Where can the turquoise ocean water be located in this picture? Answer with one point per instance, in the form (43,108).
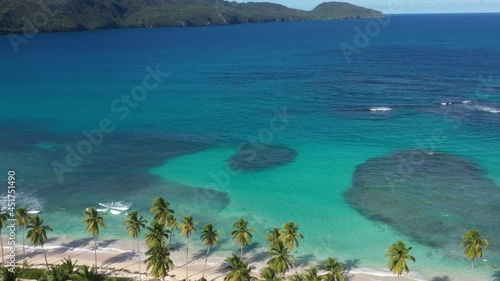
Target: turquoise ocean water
(423,82)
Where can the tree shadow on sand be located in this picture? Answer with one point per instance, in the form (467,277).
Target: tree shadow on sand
(257,257)
(199,254)
(443,278)
(123,257)
(348,266)
(105,243)
(252,247)
(79,243)
(351,264)
(496,276)
(304,260)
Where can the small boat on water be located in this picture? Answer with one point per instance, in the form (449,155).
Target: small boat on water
(120,205)
(33,212)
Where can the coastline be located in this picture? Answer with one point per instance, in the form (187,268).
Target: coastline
(114,261)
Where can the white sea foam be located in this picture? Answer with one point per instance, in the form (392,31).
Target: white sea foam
(115,212)
(381,108)
(466,101)
(373,272)
(33,204)
(488,109)
(116,250)
(119,205)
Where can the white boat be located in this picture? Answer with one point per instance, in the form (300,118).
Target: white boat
(120,205)
(115,212)
(33,212)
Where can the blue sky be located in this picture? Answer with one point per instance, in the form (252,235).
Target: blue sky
(406,6)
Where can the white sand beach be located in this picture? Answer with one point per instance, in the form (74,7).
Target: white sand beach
(113,261)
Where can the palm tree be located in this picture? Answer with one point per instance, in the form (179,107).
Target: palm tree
(268,274)
(274,235)
(85,273)
(238,269)
(242,234)
(8,275)
(187,229)
(312,274)
(56,273)
(159,261)
(398,254)
(22,218)
(157,234)
(93,221)
(3,222)
(281,259)
(334,270)
(161,210)
(296,277)
(172,223)
(290,235)
(134,225)
(474,245)
(38,234)
(210,237)
(69,265)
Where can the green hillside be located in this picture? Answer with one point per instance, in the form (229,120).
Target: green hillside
(34,16)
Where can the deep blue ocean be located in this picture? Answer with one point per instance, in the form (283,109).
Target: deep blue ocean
(369,132)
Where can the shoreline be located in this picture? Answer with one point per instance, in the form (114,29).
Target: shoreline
(114,261)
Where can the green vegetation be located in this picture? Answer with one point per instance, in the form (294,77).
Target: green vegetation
(188,227)
(312,274)
(32,273)
(334,270)
(134,225)
(238,269)
(281,259)
(34,16)
(210,238)
(398,254)
(158,261)
(3,221)
(282,242)
(22,219)
(242,234)
(38,234)
(93,221)
(474,245)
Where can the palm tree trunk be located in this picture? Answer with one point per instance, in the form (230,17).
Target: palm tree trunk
(24,256)
(95,253)
(205,266)
(1,243)
(472,269)
(187,260)
(139,255)
(45,256)
(241,254)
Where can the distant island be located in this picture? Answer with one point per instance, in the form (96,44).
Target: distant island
(37,16)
